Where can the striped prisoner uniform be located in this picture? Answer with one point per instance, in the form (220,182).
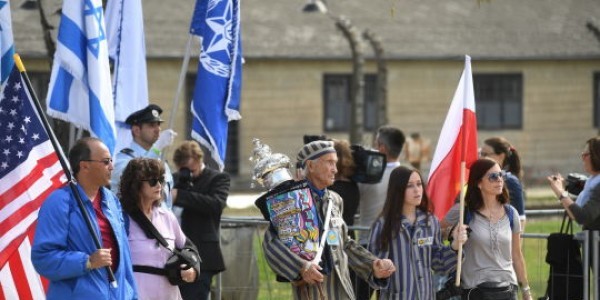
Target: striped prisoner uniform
(416,251)
(349,253)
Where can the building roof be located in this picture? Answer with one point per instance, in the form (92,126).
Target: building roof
(409,29)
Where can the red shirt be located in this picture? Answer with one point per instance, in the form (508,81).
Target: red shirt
(108,236)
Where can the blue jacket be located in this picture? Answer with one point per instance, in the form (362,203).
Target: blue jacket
(62,245)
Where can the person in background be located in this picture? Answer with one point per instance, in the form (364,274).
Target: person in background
(416,150)
(202,193)
(586,209)
(63,249)
(409,234)
(388,141)
(148,141)
(329,278)
(343,184)
(500,150)
(141,192)
(493,261)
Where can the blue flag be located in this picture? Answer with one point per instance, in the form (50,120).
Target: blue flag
(80,86)
(6,41)
(127,49)
(218,83)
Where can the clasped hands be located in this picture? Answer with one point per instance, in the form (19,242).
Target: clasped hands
(382,268)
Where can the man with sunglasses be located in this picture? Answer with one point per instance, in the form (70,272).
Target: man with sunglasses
(63,250)
(148,141)
(202,193)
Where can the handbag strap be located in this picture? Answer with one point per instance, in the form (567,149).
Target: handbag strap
(569,227)
(148,228)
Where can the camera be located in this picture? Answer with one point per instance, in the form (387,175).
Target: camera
(449,291)
(370,164)
(184,179)
(575,183)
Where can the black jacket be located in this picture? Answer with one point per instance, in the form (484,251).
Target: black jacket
(203,206)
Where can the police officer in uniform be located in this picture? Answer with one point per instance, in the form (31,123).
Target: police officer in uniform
(148,141)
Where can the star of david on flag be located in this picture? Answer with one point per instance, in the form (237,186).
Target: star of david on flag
(29,171)
(216,99)
(80,89)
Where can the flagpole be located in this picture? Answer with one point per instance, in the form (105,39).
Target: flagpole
(463,171)
(184,67)
(63,163)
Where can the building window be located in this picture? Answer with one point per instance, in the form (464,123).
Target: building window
(499,101)
(232,154)
(597,99)
(336,94)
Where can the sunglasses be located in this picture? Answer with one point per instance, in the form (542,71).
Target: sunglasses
(154,181)
(106,161)
(496,176)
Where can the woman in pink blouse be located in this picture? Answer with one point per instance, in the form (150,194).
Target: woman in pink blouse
(141,189)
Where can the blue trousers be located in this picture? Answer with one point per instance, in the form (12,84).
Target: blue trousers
(199,290)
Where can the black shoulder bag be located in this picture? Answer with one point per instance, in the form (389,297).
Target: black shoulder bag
(565,281)
(187,256)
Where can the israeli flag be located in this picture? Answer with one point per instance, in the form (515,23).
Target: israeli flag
(6,41)
(127,49)
(80,87)
(219,79)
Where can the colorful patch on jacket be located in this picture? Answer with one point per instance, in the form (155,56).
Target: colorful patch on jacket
(294,216)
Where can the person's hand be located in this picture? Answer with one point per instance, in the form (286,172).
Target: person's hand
(311,273)
(100,258)
(383,268)
(460,236)
(166,138)
(188,275)
(556,184)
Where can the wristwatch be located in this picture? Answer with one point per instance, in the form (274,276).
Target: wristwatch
(564,194)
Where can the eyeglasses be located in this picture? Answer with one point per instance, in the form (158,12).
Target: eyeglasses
(106,161)
(153,181)
(584,154)
(496,176)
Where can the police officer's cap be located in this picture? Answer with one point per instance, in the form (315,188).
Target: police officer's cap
(146,115)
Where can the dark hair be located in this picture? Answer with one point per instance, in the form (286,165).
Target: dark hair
(473,197)
(392,138)
(345,164)
(512,160)
(137,170)
(392,208)
(81,151)
(187,150)
(594,148)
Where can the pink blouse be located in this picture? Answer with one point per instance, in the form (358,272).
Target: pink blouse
(148,252)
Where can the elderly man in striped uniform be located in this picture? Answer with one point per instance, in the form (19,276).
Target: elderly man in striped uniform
(326,276)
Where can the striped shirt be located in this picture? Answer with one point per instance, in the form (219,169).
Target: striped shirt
(348,254)
(416,250)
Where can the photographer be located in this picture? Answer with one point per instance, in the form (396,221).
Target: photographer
(586,209)
(202,193)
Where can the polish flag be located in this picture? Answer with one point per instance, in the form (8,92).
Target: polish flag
(456,147)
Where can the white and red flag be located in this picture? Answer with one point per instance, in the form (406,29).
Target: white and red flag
(456,146)
(29,171)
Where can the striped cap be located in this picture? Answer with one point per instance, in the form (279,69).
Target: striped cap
(314,150)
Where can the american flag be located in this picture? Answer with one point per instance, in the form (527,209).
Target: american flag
(29,171)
